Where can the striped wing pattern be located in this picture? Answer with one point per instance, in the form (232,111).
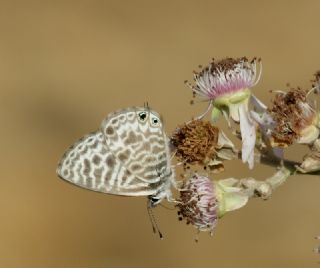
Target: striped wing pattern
(125,157)
(140,146)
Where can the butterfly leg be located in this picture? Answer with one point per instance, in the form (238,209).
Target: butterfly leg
(153,221)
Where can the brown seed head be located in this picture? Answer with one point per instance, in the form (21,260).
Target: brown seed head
(291,113)
(195,142)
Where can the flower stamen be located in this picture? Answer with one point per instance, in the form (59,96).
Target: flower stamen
(198,203)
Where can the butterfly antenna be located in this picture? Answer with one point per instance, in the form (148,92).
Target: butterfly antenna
(153,221)
(146,105)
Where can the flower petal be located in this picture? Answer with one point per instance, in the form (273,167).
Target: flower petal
(234,111)
(233,201)
(248,135)
(223,141)
(258,105)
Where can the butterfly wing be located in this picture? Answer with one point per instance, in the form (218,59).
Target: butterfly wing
(90,164)
(137,139)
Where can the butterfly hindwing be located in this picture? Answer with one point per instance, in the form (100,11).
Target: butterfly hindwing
(89,163)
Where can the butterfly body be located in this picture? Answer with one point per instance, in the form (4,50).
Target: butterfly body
(128,155)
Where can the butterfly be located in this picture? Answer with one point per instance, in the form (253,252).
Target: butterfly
(129,155)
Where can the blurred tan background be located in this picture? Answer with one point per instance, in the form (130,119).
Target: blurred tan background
(64,65)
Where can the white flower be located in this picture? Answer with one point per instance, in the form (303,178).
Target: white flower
(226,84)
(226,76)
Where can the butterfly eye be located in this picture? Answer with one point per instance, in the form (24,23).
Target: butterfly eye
(142,116)
(155,121)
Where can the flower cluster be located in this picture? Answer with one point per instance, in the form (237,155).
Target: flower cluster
(226,84)
(291,118)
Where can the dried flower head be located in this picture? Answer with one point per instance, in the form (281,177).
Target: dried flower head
(195,142)
(225,76)
(198,203)
(294,118)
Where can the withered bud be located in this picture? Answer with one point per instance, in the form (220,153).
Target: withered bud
(291,113)
(195,142)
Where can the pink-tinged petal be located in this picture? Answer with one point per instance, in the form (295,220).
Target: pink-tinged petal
(248,135)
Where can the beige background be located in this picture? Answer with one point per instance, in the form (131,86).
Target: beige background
(64,65)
